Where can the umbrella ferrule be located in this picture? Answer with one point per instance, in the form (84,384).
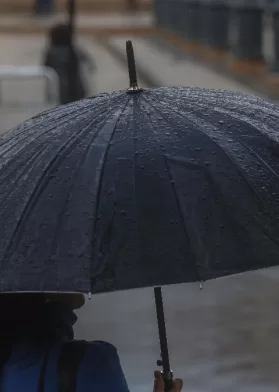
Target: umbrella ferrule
(134,89)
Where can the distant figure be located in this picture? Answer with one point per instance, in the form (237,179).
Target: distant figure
(133,5)
(67,60)
(44,7)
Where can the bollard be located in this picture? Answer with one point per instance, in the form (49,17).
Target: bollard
(176,16)
(273,7)
(192,26)
(164,13)
(218,25)
(180,10)
(156,12)
(205,8)
(247,32)
(168,14)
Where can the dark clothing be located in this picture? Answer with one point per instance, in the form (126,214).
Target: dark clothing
(43,7)
(99,370)
(63,61)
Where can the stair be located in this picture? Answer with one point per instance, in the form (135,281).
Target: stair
(15,6)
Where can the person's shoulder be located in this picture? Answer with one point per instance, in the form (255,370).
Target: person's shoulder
(101,368)
(101,347)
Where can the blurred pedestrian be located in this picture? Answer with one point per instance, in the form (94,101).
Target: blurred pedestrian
(132,5)
(67,60)
(43,7)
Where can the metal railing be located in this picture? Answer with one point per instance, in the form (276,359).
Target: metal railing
(12,72)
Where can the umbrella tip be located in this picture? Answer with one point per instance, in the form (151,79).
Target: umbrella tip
(134,88)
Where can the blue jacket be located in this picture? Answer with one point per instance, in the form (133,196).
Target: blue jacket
(99,371)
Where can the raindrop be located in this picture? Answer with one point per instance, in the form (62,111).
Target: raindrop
(221,122)
(198,149)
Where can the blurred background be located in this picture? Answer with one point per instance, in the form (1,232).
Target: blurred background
(225,337)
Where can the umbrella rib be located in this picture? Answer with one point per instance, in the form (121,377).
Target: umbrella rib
(46,121)
(180,213)
(167,119)
(16,169)
(98,193)
(35,194)
(233,161)
(55,237)
(26,137)
(240,171)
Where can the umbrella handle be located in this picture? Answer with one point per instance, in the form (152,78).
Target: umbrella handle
(164,362)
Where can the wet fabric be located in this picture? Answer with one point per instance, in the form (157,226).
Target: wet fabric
(120,191)
(99,369)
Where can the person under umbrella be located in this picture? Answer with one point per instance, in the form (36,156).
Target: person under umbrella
(35,352)
(140,188)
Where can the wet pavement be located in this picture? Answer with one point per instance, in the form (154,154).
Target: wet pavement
(222,338)
(23,99)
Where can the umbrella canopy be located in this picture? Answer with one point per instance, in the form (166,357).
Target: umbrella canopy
(140,188)
(123,190)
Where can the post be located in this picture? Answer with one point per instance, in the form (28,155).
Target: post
(248,33)
(193,20)
(205,28)
(219,25)
(274,10)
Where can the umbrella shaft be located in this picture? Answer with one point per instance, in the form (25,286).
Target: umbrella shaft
(162,332)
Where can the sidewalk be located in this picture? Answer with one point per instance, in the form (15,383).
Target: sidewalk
(23,99)
(167,70)
(142,22)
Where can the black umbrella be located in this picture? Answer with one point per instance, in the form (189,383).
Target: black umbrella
(140,188)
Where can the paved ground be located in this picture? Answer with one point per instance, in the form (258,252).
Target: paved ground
(22,99)
(167,70)
(143,19)
(224,338)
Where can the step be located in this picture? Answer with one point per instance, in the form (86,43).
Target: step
(90,24)
(11,6)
